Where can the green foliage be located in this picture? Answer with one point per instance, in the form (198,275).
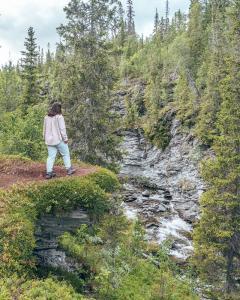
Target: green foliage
(23,134)
(65,194)
(196,36)
(106,179)
(159,132)
(29,71)
(217,234)
(188,70)
(37,289)
(21,206)
(145,282)
(88,78)
(186,102)
(10,88)
(16,233)
(77,279)
(112,254)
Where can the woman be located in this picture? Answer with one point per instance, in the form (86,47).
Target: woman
(55,136)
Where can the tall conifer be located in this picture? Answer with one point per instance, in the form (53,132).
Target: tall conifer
(29,67)
(130,18)
(217,236)
(88,78)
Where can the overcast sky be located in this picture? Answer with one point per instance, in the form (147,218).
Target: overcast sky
(46,15)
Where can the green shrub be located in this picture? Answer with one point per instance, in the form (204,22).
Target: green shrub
(16,233)
(14,288)
(66,194)
(106,179)
(23,134)
(112,254)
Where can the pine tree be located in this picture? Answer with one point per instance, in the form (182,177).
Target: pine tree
(130,18)
(49,57)
(88,79)
(10,88)
(214,64)
(162,28)
(217,236)
(29,69)
(156,23)
(180,21)
(122,25)
(196,36)
(167,16)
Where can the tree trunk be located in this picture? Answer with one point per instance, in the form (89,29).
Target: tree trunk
(230,268)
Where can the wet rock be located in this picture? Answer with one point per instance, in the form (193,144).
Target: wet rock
(146,193)
(174,173)
(151,225)
(131,198)
(161,208)
(48,228)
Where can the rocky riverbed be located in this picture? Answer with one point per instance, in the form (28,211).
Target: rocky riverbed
(163,187)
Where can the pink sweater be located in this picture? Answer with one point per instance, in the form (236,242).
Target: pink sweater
(54,130)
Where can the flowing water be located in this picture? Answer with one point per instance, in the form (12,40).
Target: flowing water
(163,187)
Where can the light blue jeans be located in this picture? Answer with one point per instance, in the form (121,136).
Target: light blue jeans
(52,153)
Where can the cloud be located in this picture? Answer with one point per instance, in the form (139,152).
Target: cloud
(17,16)
(45,15)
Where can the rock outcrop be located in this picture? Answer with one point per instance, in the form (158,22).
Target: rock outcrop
(163,187)
(48,229)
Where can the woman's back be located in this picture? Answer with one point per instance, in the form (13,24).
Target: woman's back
(54,130)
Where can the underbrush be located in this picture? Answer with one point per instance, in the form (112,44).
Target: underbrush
(113,259)
(23,204)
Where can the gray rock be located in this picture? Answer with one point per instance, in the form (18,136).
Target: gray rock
(48,228)
(161,208)
(173,172)
(146,193)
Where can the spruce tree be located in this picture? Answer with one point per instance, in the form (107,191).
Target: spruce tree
(10,88)
(29,70)
(156,23)
(130,18)
(167,16)
(217,236)
(89,78)
(196,37)
(215,68)
(162,28)
(122,26)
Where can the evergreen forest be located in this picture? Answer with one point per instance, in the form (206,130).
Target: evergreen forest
(187,70)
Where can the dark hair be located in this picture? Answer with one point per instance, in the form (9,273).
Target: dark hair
(55,110)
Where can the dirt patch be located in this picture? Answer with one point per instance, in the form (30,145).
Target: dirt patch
(22,171)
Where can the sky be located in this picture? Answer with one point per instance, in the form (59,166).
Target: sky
(16,16)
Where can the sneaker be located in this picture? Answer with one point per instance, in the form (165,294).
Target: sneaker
(50,175)
(70,171)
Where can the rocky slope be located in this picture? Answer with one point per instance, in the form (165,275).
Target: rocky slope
(163,187)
